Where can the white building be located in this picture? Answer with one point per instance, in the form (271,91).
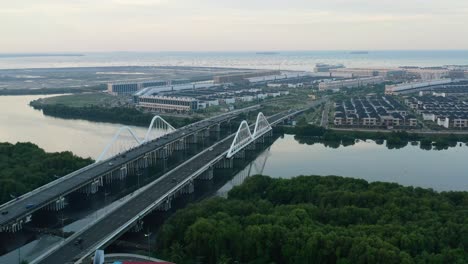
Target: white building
(443,121)
(428,117)
(214,102)
(274,85)
(396,88)
(167,103)
(350,83)
(247,98)
(230,100)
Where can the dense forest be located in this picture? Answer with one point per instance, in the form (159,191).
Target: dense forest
(5,91)
(314,219)
(119,115)
(310,134)
(25,166)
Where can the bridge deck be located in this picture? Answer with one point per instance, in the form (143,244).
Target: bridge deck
(17,209)
(119,217)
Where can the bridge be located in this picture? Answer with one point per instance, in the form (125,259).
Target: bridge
(159,194)
(110,167)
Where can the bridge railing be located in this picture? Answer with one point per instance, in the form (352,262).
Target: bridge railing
(48,185)
(128,198)
(133,195)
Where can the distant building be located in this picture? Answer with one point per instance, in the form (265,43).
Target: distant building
(239,77)
(350,83)
(131,87)
(321,67)
(457,74)
(397,88)
(387,73)
(168,104)
(434,73)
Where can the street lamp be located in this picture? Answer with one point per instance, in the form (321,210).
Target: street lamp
(149,246)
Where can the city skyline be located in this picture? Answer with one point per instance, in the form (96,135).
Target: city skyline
(160,25)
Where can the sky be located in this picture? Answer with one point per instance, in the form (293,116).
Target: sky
(237,25)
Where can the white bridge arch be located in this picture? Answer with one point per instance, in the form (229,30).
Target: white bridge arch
(121,142)
(244,137)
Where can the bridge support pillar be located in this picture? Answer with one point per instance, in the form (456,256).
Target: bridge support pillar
(57,205)
(166,205)
(240,154)
(207,175)
(225,164)
(188,188)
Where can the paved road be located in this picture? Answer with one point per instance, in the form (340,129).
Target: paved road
(325,113)
(140,202)
(18,210)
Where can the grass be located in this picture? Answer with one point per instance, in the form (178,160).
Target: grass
(85,99)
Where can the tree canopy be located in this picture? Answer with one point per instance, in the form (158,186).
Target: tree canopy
(314,219)
(25,166)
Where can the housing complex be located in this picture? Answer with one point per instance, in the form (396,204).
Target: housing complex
(446,111)
(373,111)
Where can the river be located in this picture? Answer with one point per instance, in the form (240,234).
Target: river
(21,123)
(412,166)
(441,170)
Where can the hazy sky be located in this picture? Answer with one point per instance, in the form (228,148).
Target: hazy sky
(221,25)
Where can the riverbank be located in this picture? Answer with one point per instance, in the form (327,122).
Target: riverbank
(394,139)
(116,115)
(46,91)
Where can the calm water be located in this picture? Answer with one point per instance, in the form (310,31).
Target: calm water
(411,166)
(21,123)
(297,60)
(441,170)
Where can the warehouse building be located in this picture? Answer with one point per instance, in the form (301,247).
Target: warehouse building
(350,83)
(167,103)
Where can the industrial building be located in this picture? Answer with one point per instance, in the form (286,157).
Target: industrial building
(321,67)
(416,86)
(350,83)
(240,77)
(167,103)
(387,73)
(429,73)
(131,87)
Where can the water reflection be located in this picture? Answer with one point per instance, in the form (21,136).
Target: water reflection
(406,164)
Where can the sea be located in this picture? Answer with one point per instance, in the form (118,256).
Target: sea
(283,60)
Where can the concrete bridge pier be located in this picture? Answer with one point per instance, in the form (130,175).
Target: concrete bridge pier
(207,175)
(57,205)
(225,163)
(166,205)
(240,154)
(188,188)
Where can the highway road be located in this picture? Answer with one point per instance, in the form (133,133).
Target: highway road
(119,217)
(43,196)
